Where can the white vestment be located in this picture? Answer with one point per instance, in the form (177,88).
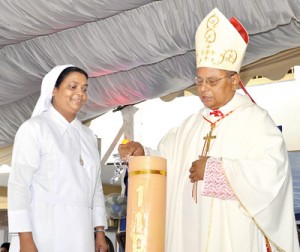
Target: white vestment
(50,193)
(255,162)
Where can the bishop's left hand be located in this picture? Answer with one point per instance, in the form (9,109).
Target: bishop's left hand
(197,169)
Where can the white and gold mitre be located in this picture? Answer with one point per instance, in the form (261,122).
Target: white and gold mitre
(220,43)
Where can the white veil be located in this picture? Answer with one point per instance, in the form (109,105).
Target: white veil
(47,87)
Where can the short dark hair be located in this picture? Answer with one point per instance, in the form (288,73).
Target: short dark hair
(66,72)
(5,245)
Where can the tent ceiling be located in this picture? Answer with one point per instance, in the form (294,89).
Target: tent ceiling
(133,50)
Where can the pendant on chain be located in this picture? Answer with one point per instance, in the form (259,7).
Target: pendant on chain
(81,161)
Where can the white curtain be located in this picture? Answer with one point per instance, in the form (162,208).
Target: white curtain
(133,50)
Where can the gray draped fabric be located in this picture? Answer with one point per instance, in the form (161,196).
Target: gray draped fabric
(133,50)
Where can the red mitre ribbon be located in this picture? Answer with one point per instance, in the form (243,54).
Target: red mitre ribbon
(244,34)
(240,28)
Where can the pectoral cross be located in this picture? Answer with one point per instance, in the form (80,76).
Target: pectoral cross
(207,139)
(205,150)
(206,146)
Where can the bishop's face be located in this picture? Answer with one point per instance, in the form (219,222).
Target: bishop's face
(71,95)
(215,87)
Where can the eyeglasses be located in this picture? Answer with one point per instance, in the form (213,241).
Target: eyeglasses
(210,81)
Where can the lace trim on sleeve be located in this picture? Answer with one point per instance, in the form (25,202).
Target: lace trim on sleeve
(215,183)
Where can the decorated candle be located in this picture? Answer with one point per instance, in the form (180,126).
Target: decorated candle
(146,204)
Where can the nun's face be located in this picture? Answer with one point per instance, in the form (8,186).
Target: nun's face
(70,96)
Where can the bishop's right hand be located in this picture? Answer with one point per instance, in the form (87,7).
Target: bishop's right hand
(198,168)
(131,149)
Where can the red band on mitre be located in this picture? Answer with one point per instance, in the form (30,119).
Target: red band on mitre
(241,30)
(244,34)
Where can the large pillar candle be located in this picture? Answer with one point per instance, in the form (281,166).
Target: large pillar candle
(146,204)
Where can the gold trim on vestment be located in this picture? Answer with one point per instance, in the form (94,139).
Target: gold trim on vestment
(139,172)
(210,224)
(250,215)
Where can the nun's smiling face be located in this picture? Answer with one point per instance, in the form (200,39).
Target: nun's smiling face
(70,96)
